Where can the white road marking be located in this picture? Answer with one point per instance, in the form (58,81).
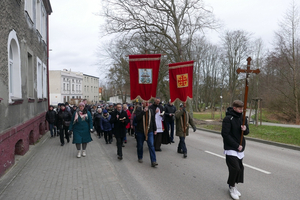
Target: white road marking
(255,168)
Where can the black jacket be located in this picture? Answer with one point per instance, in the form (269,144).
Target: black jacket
(231,130)
(51,117)
(63,116)
(139,118)
(97,118)
(119,126)
(169,110)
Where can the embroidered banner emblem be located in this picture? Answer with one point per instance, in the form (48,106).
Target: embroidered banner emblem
(182,80)
(145,76)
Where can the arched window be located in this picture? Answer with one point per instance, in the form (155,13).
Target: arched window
(14,67)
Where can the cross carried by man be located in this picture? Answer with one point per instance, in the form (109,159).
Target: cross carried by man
(247,71)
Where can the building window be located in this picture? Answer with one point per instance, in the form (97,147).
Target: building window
(29,7)
(14,66)
(45,95)
(39,76)
(64,86)
(30,76)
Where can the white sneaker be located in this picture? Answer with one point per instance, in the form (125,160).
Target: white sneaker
(233,194)
(237,192)
(79,154)
(83,153)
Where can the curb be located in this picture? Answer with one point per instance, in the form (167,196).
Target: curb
(278,144)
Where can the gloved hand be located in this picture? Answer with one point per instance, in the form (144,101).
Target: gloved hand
(70,132)
(194,128)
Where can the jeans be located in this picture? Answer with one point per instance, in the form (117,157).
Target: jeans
(171,123)
(119,146)
(181,144)
(51,127)
(140,137)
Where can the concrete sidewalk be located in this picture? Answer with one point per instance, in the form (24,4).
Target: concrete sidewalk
(49,171)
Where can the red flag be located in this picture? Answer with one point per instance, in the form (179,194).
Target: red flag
(143,75)
(181,80)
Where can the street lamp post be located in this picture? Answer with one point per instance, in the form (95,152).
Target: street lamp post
(221,97)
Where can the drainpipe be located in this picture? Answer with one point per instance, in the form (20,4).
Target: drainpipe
(48,61)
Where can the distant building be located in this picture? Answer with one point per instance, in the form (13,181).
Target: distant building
(118,99)
(65,85)
(90,88)
(23,76)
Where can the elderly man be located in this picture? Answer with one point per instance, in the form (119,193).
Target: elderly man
(170,110)
(183,119)
(120,119)
(158,109)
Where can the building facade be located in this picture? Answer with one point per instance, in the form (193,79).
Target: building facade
(65,86)
(23,76)
(90,88)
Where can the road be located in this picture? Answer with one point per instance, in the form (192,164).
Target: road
(271,172)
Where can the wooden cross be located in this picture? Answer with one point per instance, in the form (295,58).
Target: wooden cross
(247,71)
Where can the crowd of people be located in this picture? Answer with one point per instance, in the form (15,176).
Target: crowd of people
(150,122)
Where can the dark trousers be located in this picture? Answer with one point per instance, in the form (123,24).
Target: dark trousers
(157,141)
(171,124)
(236,170)
(64,132)
(181,144)
(119,145)
(107,136)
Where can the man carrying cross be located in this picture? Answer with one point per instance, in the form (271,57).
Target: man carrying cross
(234,127)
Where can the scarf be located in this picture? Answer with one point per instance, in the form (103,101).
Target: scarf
(146,123)
(82,116)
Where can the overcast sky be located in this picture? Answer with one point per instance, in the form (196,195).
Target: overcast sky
(74,28)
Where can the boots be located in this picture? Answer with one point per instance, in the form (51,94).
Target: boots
(79,154)
(179,150)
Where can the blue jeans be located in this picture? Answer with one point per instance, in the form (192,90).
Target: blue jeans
(51,127)
(171,123)
(140,137)
(181,144)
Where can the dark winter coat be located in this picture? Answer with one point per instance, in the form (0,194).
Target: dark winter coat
(97,118)
(63,116)
(180,124)
(105,123)
(119,126)
(140,122)
(51,117)
(169,110)
(231,130)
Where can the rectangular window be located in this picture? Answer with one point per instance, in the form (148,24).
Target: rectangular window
(39,74)
(30,76)
(64,87)
(38,15)
(73,87)
(45,95)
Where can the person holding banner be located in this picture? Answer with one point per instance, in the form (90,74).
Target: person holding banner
(145,130)
(183,119)
(158,110)
(232,127)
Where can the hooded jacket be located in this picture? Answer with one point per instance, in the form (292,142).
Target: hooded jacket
(231,130)
(51,117)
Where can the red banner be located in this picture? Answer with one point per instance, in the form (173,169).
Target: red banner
(143,75)
(181,80)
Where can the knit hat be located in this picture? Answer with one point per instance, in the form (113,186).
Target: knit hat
(81,104)
(104,111)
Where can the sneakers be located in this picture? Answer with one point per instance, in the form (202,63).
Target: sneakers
(79,154)
(83,153)
(237,192)
(154,164)
(140,161)
(233,193)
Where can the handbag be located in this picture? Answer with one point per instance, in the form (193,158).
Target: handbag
(67,123)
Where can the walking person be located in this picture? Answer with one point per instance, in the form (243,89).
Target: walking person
(81,127)
(232,127)
(51,119)
(120,119)
(97,118)
(158,109)
(63,122)
(125,108)
(183,119)
(170,110)
(145,131)
(106,126)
